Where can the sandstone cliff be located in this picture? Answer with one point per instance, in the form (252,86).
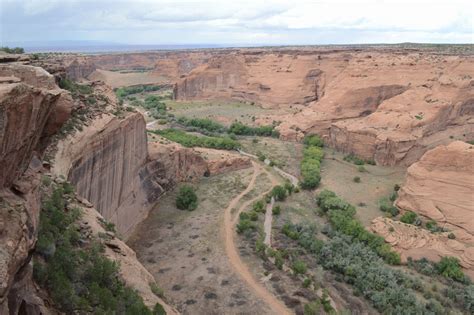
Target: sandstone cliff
(390,107)
(27,116)
(440,186)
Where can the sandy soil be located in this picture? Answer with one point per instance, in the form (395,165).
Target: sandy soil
(118,79)
(377,182)
(186,252)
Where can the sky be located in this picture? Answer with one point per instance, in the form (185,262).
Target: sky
(234,22)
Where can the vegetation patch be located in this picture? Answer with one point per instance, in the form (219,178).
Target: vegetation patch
(188,140)
(77,275)
(240,129)
(311,163)
(341,216)
(14,50)
(187,198)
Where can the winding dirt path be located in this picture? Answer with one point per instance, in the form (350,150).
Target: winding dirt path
(241,269)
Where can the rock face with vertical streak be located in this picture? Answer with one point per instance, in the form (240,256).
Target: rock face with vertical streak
(106,172)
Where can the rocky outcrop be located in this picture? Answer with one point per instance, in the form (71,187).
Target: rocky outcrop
(79,68)
(27,112)
(440,187)
(270,80)
(131,270)
(415,242)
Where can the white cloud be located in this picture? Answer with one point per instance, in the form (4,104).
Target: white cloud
(238,21)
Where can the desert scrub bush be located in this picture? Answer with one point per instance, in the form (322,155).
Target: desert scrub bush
(313,141)
(306,282)
(299,267)
(240,129)
(186,198)
(361,169)
(351,158)
(449,267)
(289,187)
(14,50)
(341,216)
(259,206)
(74,87)
(159,292)
(408,217)
(276,210)
(245,225)
(387,206)
(356,179)
(123,92)
(279,193)
(203,124)
(261,156)
(78,277)
(188,140)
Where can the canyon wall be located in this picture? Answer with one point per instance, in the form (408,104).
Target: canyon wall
(438,187)
(28,101)
(389,107)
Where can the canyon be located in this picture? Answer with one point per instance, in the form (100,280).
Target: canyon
(410,109)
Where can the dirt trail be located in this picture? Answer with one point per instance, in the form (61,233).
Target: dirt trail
(241,269)
(267,226)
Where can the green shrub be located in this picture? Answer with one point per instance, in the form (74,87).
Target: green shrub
(279,193)
(253,216)
(259,206)
(123,92)
(313,140)
(159,292)
(356,179)
(244,225)
(451,236)
(449,267)
(387,206)
(306,282)
(289,187)
(276,210)
(361,169)
(187,198)
(204,124)
(408,217)
(189,140)
(310,167)
(239,128)
(341,216)
(79,279)
(14,50)
(313,308)
(354,159)
(299,267)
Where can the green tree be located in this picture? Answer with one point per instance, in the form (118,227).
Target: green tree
(187,198)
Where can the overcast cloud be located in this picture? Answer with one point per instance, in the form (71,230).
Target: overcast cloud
(255,22)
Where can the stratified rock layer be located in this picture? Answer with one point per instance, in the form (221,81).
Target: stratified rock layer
(441,187)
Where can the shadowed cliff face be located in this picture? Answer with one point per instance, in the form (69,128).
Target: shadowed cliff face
(29,102)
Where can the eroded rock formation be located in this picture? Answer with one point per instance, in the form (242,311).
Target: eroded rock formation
(415,242)
(440,187)
(27,116)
